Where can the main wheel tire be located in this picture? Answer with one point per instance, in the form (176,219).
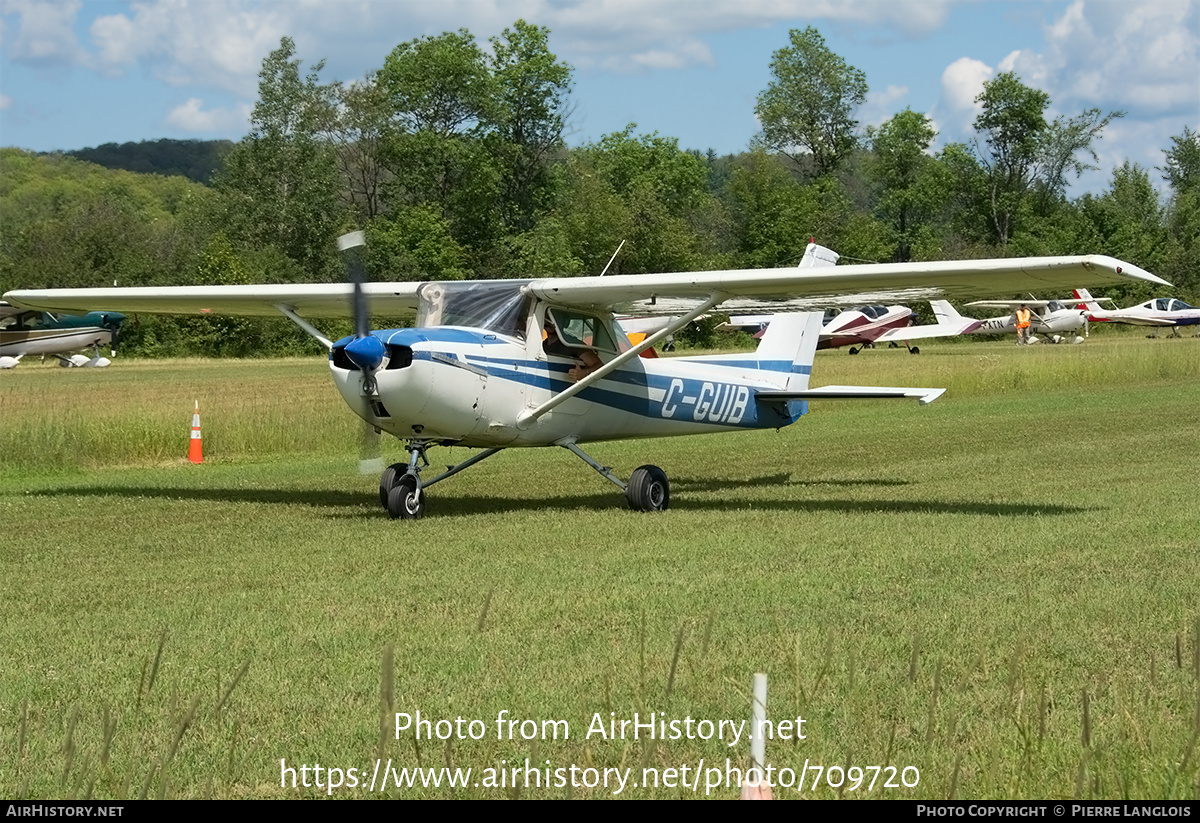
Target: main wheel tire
(648,490)
(388,479)
(404,501)
(914,350)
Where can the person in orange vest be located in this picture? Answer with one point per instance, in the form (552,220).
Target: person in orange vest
(1023,315)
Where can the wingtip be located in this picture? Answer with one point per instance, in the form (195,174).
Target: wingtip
(1134,272)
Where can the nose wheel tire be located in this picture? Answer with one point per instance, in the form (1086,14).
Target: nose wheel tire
(388,480)
(648,490)
(406,500)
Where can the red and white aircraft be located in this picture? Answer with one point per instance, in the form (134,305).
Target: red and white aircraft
(864,326)
(1161,311)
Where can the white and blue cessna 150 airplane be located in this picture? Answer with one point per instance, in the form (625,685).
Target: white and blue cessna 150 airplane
(540,362)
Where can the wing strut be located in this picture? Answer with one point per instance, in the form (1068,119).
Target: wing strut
(525,418)
(290,314)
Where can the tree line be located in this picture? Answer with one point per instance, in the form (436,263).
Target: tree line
(451,156)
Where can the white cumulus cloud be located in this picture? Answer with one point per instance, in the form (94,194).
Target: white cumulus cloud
(45,34)
(221,43)
(1143,56)
(191,117)
(215,44)
(962,81)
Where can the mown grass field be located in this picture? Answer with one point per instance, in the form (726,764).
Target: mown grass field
(1001,590)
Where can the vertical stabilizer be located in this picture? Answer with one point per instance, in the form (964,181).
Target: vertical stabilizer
(818,257)
(945,313)
(1088,302)
(788,347)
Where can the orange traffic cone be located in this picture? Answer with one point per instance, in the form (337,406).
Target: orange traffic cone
(195,453)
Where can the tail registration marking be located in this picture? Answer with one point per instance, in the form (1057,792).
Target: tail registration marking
(714,402)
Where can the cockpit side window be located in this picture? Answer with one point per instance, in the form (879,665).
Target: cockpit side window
(582,331)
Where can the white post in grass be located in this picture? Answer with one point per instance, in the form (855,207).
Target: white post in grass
(758,717)
(758,744)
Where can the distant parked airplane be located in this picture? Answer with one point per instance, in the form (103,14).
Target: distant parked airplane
(1055,320)
(25,332)
(1161,311)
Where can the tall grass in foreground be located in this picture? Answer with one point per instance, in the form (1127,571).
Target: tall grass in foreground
(1100,740)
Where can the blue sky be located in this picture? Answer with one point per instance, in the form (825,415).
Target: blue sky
(76,73)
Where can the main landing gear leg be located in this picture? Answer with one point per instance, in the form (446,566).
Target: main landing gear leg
(647,490)
(401,490)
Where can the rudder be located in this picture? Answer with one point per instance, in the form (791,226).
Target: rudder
(788,347)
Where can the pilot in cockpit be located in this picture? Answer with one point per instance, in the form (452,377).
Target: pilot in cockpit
(588,360)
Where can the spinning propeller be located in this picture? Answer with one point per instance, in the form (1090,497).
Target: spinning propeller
(364,351)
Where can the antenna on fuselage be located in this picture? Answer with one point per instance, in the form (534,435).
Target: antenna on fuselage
(611,259)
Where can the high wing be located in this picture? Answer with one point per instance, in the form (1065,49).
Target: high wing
(310,300)
(632,293)
(1016,304)
(912,280)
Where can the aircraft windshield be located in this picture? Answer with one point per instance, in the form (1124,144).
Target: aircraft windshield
(498,307)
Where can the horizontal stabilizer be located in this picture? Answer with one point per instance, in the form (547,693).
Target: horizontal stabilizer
(924,396)
(964,325)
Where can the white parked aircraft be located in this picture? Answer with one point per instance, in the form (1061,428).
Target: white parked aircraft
(1161,311)
(475,371)
(23,332)
(1055,319)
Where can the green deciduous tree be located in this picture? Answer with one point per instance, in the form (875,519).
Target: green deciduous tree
(439,84)
(1011,123)
(808,106)
(281,181)
(443,101)
(915,187)
(532,87)
(1182,168)
(1026,154)
(1062,143)
(359,125)
(1129,217)
(1181,257)
(665,192)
